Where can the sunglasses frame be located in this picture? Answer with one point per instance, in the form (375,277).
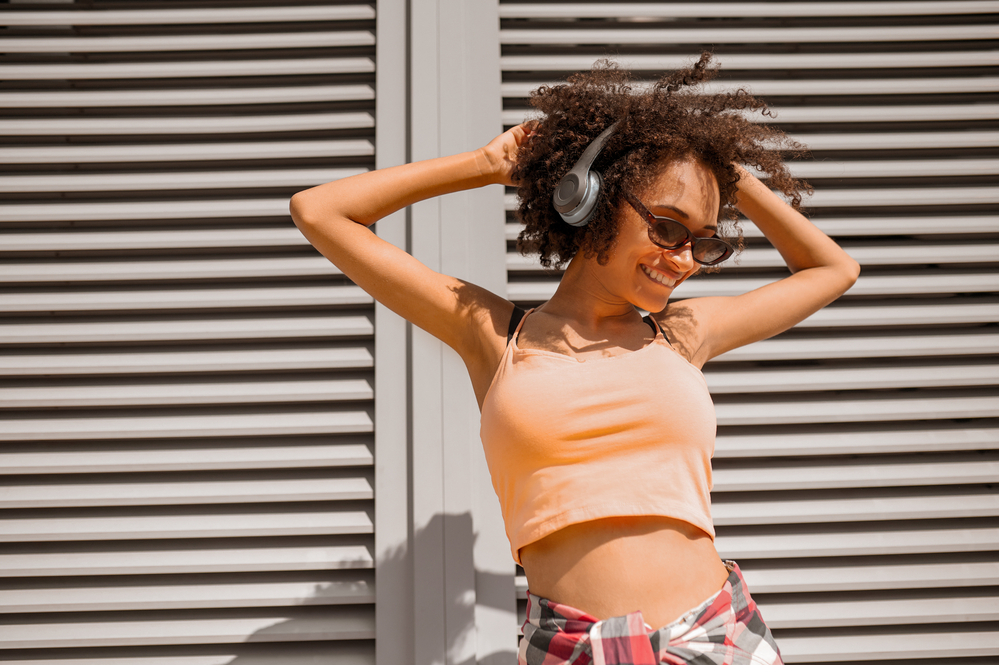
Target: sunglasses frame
(651,219)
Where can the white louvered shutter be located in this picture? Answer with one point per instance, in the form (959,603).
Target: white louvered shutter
(186,424)
(857,454)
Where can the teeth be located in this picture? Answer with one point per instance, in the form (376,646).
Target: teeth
(658,276)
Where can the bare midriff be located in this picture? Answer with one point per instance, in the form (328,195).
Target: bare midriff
(614,566)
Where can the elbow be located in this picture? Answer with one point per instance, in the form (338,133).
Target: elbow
(850,271)
(298,207)
(853,271)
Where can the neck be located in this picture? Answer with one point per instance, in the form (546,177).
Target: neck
(581,296)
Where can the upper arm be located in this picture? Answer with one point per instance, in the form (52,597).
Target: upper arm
(704,328)
(462,315)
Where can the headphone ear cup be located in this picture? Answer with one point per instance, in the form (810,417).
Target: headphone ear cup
(583,212)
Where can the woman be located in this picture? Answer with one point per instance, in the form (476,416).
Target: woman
(596,423)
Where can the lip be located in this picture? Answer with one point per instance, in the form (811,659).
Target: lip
(671,281)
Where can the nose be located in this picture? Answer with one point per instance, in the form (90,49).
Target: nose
(680,259)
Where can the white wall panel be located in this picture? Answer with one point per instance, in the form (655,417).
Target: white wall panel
(855,462)
(187,392)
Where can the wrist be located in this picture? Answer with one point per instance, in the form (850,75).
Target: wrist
(487,168)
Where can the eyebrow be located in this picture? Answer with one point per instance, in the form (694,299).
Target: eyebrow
(686,217)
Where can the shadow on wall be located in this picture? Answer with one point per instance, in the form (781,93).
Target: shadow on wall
(282,642)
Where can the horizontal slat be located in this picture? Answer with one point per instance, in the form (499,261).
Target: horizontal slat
(850,508)
(817,87)
(854,577)
(915,196)
(867,226)
(927,644)
(899,140)
(188,459)
(192,16)
(869,612)
(195,69)
(216,360)
(905,226)
(241,525)
(213,96)
(183,561)
(868,285)
(839,114)
(319,590)
(856,410)
(70,241)
(752,61)
(743,9)
(878,113)
(188,152)
(123,182)
(181,330)
(174,394)
(838,378)
(768,257)
(246,207)
(894,168)
(786,476)
(926,439)
(890,255)
(889,576)
(304,653)
(235,124)
(193,42)
(875,541)
(167,270)
(124,493)
(849,316)
(180,426)
(901,315)
(844,114)
(879,197)
(303,296)
(326,623)
(862,347)
(726,35)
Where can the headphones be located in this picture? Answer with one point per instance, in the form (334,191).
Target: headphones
(576,195)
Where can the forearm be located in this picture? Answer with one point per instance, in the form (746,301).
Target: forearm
(368,197)
(800,243)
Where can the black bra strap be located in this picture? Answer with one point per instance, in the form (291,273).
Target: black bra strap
(515,318)
(655,328)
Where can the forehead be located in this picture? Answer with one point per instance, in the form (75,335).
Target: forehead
(686,185)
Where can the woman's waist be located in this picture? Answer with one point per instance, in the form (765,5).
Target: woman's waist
(611,567)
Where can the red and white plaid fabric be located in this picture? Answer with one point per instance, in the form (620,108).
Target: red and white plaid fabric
(726,629)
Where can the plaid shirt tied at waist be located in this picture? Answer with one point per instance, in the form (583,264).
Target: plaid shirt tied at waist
(726,629)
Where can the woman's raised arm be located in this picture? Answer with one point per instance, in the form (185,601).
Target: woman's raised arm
(821,272)
(334,217)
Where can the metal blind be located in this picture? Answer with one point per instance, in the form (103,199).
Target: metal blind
(187,386)
(857,454)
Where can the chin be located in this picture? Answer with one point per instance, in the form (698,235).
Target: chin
(652,303)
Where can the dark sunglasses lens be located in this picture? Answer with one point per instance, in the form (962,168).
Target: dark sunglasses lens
(710,251)
(669,234)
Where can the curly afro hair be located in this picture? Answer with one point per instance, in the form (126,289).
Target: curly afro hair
(668,121)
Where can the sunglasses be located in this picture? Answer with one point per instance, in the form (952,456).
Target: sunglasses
(671,234)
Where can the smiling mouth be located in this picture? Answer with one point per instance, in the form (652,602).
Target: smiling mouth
(658,276)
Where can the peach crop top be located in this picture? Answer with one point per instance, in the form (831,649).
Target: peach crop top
(569,440)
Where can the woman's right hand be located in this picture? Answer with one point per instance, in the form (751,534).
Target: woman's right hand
(500,154)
